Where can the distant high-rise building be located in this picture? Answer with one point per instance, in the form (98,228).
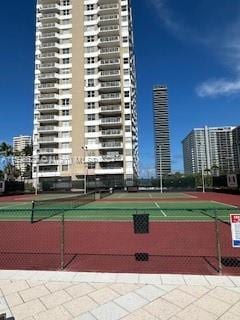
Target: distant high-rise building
(236,147)
(19,144)
(85,92)
(161,130)
(209,149)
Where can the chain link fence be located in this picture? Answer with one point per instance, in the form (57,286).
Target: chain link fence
(185,241)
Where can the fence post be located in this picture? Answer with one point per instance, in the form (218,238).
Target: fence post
(62,240)
(218,243)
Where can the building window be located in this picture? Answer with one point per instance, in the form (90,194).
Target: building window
(65,168)
(125,39)
(65,102)
(65,112)
(91,105)
(90,39)
(66,51)
(91,165)
(66,12)
(90,7)
(127,117)
(66,2)
(90,71)
(91,129)
(125,61)
(126,94)
(91,94)
(66,61)
(90,60)
(91,117)
(90,83)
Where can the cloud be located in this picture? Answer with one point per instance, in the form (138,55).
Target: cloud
(218,87)
(223,41)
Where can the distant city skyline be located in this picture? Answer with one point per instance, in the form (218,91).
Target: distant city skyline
(192,53)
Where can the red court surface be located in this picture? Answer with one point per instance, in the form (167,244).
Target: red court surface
(173,247)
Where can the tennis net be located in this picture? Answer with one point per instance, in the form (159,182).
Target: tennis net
(47,208)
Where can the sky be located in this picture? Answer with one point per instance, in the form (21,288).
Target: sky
(191,46)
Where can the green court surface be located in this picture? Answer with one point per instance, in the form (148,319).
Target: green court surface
(121,211)
(150,195)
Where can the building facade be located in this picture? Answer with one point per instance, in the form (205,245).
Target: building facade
(85,92)
(210,150)
(21,161)
(236,148)
(161,130)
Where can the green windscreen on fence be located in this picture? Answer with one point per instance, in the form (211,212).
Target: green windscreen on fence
(44,209)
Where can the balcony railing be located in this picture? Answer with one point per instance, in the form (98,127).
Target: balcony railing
(109,50)
(110,108)
(108,6)
(48,106)
(48,117)
(110,73)
(110,84)
(109,17)
(109,28)
(110,96)
(111,132)
(110,120)
(109,39)
(111,145)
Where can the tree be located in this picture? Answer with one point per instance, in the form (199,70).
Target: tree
(6,149)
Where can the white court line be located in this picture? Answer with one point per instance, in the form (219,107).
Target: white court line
(150,195)
(225,204)
(13,205)
(162,212)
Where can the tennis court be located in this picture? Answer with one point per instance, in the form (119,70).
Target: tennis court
(93,234)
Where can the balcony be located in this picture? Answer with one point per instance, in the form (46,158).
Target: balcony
(110,109)
(49,27)
(48,151)
(110,98)
(111,133)
(49,56)
(106,64)
(49,46)
(48,87)
(109,52)
(110,121)
(50,17)
(47,107)
(110,8)
(44,77)
(49,66)
(49,36)
(110,158)
(51,7)
(109,75)
(47,140)
(111,145)
(108,19)
(48,118)
(110,85)
(49,97)
(109,30)
(47,129)
(106,41)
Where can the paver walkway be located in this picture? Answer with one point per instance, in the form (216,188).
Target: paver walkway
(42,295)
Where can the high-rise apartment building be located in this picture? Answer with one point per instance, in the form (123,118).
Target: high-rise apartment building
(85,92)
(236,147)
(19,144)
(209,149)
(161,130)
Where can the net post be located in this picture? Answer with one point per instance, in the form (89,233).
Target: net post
(32,212)
(62,240)
(218,243)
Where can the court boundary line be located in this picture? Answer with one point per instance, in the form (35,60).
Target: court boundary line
(162,212)
(14,205)
(225,204)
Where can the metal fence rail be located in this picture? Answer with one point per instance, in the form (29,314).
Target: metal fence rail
(160,240)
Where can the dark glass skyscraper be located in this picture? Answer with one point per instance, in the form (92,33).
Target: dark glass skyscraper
(161,130)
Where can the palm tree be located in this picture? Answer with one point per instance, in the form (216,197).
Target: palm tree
(6,149)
